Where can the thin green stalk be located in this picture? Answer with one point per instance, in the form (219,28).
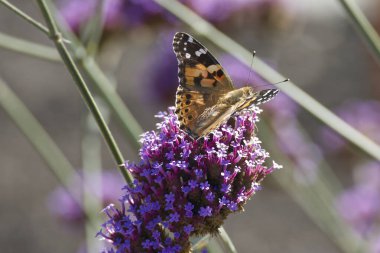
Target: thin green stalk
(39,138)
(28,18)
(129,124)
(36,134)
(25,16)
(363,26)
(226,240)
(71,66)
(92,176)
(93,29)
(306,101)
(106,89)
(29,48)
(131,127)
(201,243)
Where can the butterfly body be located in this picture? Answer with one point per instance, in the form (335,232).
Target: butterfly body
(206,97)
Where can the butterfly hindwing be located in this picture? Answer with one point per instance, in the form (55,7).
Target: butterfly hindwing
(189,104)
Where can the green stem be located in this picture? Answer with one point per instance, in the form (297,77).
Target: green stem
(92,176)
(40,139)
(93,29)
(25,16)
(202,242)
(131,127)
(67,59)
(129,124)
(226,240)
(363,26)
(302,98)
(34,132)
(106,89)
(29,48)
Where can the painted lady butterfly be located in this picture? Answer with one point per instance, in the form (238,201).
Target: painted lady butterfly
(206,96)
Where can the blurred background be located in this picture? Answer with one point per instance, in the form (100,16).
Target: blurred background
(311,42)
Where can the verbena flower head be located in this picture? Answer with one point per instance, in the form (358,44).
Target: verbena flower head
(186,187)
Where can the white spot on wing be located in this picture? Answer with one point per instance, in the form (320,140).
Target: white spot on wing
(200,51)
(190,39)
(187,55)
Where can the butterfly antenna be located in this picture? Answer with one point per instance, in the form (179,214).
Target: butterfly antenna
(250,69)
(284,81)
(271,84)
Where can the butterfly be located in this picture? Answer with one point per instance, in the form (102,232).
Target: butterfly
(206,96)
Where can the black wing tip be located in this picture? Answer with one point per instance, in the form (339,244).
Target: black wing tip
(181,34)
(178,36)
(265,96)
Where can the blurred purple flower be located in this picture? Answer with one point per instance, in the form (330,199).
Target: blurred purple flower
(162,67)
(360,205)
(116,13)
(304,154)
(219,11)
(62,205)
(362,115)
(77,12)
(128,13)
(216,10)
(376,245)
(187,186)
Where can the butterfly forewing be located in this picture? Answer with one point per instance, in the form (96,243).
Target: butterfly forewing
(197,67)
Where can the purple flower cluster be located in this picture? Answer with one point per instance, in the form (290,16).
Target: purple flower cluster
(186,187)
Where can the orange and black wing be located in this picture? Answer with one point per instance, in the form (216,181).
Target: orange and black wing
(202,80)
